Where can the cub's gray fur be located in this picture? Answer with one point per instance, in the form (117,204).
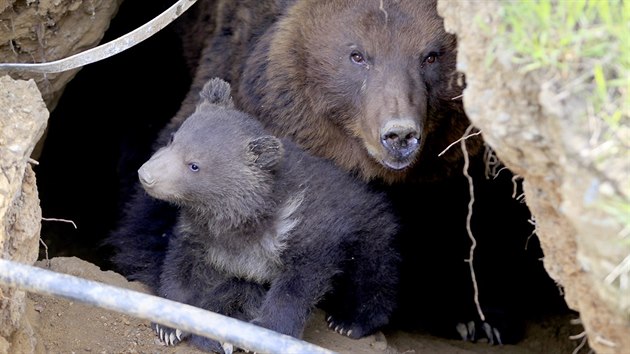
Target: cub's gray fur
(265,231)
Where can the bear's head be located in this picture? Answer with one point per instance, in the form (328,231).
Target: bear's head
(369,84)
(220,160)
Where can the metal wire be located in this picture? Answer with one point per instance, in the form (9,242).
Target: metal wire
(108,49)
(166,312)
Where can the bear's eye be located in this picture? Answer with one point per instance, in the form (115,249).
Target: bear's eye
(429,59)
(170,139)
(193,167)
(357,57)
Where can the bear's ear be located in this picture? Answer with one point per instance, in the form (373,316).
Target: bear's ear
(267,151)
(217,91)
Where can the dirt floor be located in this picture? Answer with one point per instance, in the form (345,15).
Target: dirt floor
(69,327)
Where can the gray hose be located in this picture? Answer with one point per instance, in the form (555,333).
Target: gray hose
(153,308)
(108,49)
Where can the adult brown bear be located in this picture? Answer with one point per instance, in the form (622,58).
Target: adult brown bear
(372,85)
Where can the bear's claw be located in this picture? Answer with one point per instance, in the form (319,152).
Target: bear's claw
(338,327)
(468,332)
(492,333)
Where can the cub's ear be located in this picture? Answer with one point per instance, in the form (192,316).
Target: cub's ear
(267,151)
(217,91)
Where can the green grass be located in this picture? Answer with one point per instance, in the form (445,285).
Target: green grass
(585,42)
(581,47)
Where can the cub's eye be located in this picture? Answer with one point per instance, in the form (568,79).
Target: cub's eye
(429,59)
(170,139)
(193,167)
(357,57)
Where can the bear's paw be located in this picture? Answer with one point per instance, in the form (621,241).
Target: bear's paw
(468,332)
(352,330)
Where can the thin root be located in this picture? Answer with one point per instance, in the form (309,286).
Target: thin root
(583,341)
(45,252)
(61,220)
(469,217)
(467,135)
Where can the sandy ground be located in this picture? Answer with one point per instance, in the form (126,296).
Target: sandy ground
(69,327)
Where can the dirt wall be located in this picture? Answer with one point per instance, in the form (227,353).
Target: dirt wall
(46,30)
(538,134)
(23,118)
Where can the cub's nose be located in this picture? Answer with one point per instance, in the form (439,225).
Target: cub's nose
(400,138)
(145,177)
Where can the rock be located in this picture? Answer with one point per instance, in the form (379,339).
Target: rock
(23,118)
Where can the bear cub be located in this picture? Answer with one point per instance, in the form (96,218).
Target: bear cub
(265,231)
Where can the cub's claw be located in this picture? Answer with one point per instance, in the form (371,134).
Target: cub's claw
(178,334)
(228,348)
(167,335)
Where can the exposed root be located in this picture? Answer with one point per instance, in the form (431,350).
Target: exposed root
(467,135)
(61,220)
(473,245)
(603,341)
(621,271)
(45,252)
(515,187)
(583,341)
(493,166)
(531,221)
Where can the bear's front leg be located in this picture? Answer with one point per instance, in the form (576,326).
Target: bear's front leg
(291,299)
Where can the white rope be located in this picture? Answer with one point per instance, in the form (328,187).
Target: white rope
(108,49)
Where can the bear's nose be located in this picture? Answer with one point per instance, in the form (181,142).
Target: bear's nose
(400,139)
(145,176)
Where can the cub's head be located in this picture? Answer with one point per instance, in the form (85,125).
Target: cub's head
(219,159)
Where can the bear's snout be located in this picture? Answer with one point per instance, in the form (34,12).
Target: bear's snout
(401,139)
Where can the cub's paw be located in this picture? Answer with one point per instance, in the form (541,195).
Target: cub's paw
(211,345)
(473,331)
(351,330)
(169,336)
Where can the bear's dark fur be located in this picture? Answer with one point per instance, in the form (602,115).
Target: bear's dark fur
(372,85)
(266,231)
(372,88)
